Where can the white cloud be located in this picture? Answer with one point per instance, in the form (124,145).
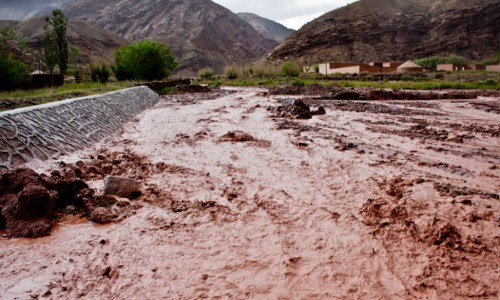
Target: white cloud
(298,21)
(291,13)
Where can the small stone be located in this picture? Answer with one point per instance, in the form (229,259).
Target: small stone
(122,187)
(103,215)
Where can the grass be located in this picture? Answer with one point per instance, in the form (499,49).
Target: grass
(23,98)
(408,82)
(88,88)
(424,85)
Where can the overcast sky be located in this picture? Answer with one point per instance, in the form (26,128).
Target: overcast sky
(291,13)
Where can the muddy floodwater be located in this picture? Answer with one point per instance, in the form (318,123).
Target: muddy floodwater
(373,200)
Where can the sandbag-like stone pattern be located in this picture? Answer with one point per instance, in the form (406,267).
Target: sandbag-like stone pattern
(49,130)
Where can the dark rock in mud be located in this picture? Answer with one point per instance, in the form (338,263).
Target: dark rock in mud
(237,136)
(320,111)
(295,109)
(122,187)
(103,215)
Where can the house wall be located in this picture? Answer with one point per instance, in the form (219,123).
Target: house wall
(371,69)
(346,70)
(495,68)
(451,67)
(476,67)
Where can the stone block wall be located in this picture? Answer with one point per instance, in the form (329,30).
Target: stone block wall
(49,130)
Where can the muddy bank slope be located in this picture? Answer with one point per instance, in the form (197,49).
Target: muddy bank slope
(369,201)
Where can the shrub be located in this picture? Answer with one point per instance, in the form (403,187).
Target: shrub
(298,82)
(290,69)
(100,74)
(230,72)
(433,61)
(13,73)
(206,73)
(144,60)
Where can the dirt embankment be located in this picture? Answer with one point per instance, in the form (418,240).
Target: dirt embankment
(243,199)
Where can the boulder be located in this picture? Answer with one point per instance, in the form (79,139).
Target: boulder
(122,187)
(295,108)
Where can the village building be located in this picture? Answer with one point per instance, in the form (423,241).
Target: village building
(358,68)
(476,67)
(451,67)
(410,67)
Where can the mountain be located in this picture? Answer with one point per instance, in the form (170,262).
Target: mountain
(270,29)
(26,9)
(95,44)
(397,30)
(199,32)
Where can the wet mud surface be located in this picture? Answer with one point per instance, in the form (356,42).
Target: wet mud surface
(371,200)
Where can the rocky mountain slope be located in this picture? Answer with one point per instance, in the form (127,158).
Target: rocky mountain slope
(370,30)
(95,44)
(272,30)
(199,32)
(25,9)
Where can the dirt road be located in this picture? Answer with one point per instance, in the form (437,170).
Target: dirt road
(374,200)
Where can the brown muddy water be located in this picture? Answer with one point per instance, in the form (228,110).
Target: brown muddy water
(374,200)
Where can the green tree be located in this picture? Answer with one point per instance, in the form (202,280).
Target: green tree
(13,73)
(144,60)
(430,62)
(55,42)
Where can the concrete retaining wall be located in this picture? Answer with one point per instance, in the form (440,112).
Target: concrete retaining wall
(49,130)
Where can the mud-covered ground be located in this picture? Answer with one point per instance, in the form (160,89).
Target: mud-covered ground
(373,200)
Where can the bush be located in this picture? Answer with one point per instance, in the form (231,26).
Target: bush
(290,69)
(230,72)
(433,61)
(100,74)
(13,73)
(206,73)
(298,82)
(144,60)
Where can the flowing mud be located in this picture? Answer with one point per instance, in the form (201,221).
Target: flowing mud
(372,200)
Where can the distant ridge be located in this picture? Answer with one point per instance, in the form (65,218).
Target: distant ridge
(199,32)
(271,29)
(397,30)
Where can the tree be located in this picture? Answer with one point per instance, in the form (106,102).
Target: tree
(13,73)
(144,60)
(55,43)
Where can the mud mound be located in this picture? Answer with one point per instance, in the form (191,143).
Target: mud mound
(31,203)
(237,136)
